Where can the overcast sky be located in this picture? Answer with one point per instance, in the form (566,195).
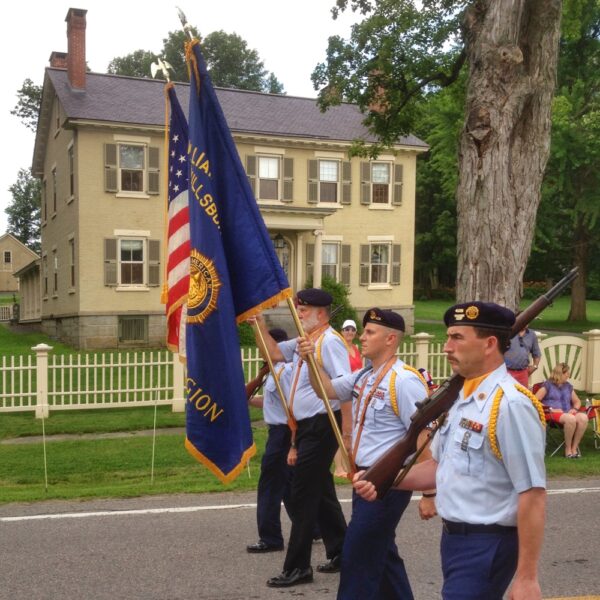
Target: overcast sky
(289,35)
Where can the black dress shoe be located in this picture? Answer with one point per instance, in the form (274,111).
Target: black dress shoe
(290,578)
(331,566)
(261,547)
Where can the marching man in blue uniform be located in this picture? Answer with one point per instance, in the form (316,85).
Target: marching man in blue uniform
(275,473)
(312,494)
(488,464)
(383,399)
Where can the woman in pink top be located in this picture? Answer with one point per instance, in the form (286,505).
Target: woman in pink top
(349,333)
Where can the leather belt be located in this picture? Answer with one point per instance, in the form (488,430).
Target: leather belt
(468,528)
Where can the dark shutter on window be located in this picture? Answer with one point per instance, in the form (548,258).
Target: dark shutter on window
(153,170)
(398,179)
(345,270)
(365,182)
(288,179)
(313,181)
(153,262)
(110,168)
(365,261)
(110,261)
(395,264)
(346,182)
(251,171)
(310,260)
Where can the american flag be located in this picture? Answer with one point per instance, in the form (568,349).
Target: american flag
(178,260)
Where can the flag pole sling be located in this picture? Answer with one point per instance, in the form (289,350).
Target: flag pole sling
(313,367)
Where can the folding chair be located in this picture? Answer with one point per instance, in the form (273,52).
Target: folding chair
(555,438)
(594,416)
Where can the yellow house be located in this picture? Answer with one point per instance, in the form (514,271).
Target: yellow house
(99,155)
(14,255)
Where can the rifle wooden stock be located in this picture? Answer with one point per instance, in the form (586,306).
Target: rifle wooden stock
(384,471)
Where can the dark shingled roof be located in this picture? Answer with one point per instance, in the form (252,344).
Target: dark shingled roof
(113,98)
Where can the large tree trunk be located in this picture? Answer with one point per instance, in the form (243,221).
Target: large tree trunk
(580,259)
(512,49)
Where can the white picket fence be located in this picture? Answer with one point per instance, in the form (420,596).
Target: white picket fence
(5,312)
(47,382)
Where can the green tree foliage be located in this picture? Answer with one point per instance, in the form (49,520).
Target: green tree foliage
(136,64)
(568,226)
(230,62)
(24,210)
(395,57)
(29,98)
(340,295)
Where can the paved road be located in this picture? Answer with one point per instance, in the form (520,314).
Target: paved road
(192,547)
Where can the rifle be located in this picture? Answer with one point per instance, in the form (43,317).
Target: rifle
(388,469)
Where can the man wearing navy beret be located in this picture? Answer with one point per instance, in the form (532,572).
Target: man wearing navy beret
(488,464)
(383,398)
(312,495)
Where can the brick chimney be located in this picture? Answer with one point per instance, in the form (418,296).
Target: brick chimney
(76,47)
(58,60)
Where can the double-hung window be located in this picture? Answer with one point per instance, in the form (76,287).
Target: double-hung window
(380,263)
(268,177)
(335,260)
(131,168)
(329,181)
(271,176)
(381,183)
(131,262)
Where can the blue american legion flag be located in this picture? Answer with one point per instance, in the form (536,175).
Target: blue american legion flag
(234,273)
(178,229)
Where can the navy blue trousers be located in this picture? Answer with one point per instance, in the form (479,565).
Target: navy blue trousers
(371,566)
(273,485)
(478,566)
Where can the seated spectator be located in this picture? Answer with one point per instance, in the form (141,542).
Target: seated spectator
(558,395)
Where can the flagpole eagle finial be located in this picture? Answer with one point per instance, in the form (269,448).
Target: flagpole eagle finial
(187,28)
(163,66)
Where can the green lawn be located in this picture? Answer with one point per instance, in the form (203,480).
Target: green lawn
(553,318)
(121,467)
(20,342)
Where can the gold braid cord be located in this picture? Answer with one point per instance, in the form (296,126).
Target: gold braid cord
(393,399)
(419,375)
(493,423)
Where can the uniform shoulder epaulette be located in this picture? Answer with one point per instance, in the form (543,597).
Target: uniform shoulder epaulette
(419,375)
(493,423)
(319,344)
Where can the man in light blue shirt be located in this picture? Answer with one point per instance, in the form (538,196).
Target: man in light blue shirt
(383,399)
(488,463)
(312,495)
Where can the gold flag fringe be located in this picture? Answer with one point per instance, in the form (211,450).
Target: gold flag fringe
(223,477)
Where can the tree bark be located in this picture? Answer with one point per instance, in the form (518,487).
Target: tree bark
(580,259)
(512,50)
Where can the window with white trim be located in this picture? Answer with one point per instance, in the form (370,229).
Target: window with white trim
(381,183)
(329,181)
(131,168)
(7,257)
(380,263)
(131,262)
(268,177)
(54,191)
(335,261)
(55,273)
(71,163)
(72,262)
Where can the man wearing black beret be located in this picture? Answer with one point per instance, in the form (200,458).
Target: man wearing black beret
(488,463)
(383,399)
(312,495)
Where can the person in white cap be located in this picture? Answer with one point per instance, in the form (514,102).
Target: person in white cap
(349,334)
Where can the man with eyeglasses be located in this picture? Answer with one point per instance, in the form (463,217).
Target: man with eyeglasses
(516,357)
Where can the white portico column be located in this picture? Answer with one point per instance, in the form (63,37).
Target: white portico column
(318,258)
